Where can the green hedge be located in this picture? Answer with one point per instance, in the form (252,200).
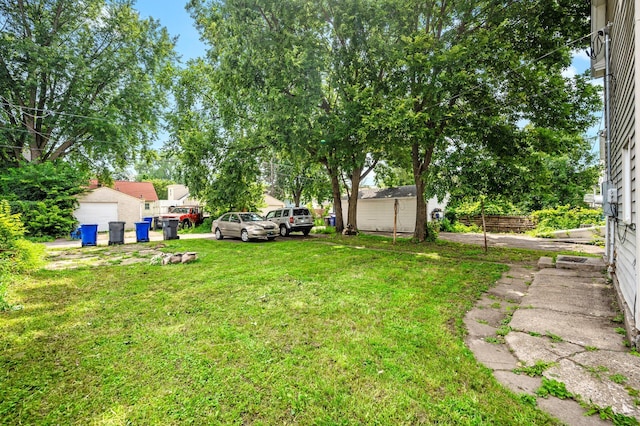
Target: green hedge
(565,217)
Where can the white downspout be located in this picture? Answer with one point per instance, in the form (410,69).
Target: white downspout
(636,96)
(611,235)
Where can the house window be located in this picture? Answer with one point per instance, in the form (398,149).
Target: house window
(626,183)
(146,206)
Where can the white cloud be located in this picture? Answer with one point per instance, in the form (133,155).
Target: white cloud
(570,72)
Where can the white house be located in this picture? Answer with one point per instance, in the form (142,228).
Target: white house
(615,40)
(376,209)
(272,203)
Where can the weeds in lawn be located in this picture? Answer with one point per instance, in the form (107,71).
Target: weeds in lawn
(607,413)
(329,342)
(536,369)
(554,337)
(618,378)
(597,371)
(554,388)
(528,399)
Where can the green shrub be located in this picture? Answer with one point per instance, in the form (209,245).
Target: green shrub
(45,195)
(44,218)
(28,257)
(329,230)
(447,225)
(564,217)
(11,227)
(203,228)
(470,207)
(17,255)
(431,231)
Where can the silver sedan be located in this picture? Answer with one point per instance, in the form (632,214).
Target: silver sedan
(244,225)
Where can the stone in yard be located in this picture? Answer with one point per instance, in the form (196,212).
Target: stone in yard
(189,256)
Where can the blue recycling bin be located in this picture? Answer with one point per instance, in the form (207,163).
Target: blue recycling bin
(332,220)
(142,231)
(75,234)
(89,234)
(148,219)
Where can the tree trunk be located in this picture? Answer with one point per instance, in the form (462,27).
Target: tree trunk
(296,197)
(337,203)
(335,192)
(421,210)
(421,163)
(352,214)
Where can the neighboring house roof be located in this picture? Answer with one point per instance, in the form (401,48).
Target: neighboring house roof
(272,201)
(98,192)
(407,191)
(177,192)
(140,190)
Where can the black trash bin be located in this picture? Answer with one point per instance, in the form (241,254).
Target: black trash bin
(157,223)
(116,233)
(170,229)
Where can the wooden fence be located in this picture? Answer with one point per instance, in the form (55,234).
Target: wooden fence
(516,224)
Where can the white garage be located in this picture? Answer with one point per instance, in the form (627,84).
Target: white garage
(376,209)
(104,205)
(97,213)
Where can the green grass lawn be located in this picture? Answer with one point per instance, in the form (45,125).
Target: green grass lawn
(322,332)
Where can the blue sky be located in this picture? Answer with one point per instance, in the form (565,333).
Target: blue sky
(172,14)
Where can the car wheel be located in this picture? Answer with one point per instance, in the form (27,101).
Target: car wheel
(306,232)
(219,235)
(186,224)
(272,238)
(284,232)
(244,235)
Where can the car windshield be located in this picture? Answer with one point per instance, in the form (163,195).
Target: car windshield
(251,217)
(300,212)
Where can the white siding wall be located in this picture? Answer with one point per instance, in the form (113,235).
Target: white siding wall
(635,170)
(376,214)
(623,133)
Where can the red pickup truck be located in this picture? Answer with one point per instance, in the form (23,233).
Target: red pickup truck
(186,215)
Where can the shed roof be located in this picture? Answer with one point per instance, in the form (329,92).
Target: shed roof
(407,191)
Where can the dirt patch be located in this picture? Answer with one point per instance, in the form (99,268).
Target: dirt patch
(126,254)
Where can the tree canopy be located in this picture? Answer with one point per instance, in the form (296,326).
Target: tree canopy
(429,86)
(81,80)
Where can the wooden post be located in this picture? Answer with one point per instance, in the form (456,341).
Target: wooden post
(395,219)
(484,225)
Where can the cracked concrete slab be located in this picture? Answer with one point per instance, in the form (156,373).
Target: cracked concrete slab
(579,329)
(566,317)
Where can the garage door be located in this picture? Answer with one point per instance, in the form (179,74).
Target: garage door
(100,213)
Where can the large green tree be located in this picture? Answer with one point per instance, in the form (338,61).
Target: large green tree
(302,79)
(351,82)
(468,74)
(82,80)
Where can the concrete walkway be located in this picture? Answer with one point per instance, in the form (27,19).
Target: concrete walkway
(565,317)
(524,241)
